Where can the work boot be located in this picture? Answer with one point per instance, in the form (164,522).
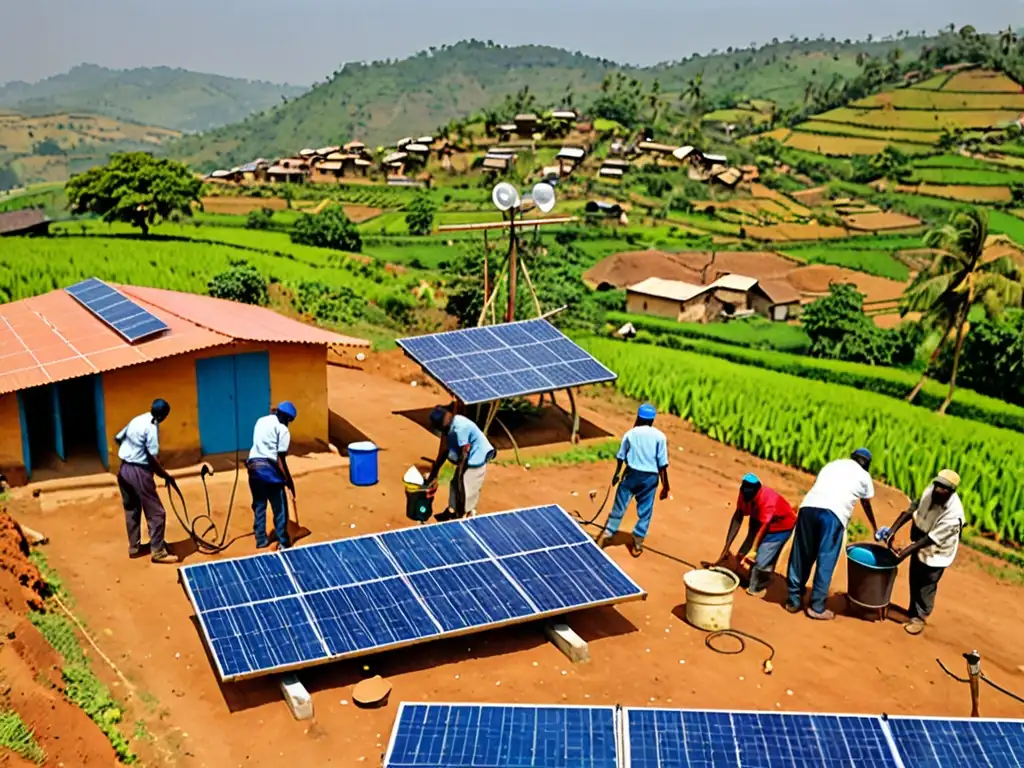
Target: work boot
(165,557)
(793,607)
(914,627)
(134,552)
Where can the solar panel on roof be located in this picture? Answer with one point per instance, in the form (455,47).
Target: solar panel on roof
(936,743)
(502,736)
(340,599)
(499,361)
(115,309)
(673,738)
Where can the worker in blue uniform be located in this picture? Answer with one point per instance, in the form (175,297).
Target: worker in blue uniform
(269,475)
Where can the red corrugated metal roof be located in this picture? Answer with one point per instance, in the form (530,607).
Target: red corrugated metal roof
(242,322)
(52,337)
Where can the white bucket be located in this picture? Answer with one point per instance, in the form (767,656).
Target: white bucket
(709,598)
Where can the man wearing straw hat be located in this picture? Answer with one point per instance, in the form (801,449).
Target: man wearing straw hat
(644,451)
(938,519)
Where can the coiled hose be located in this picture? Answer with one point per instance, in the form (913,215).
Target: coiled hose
(209,541)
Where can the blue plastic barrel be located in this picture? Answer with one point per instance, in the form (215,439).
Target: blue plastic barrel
(362,463)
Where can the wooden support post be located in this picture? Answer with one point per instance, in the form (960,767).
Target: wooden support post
(568,642)
(974,672)
(575,418)
(297,697)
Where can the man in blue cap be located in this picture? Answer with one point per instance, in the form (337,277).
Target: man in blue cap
(821,526)
(771,524)
(138,445)
(466,446)
(644,451)
(269,474)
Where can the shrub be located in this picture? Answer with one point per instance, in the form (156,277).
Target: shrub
(259,219)
(330,228)
(241,283)
(419,215)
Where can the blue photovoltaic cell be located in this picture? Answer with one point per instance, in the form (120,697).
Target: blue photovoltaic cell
(495,362)
(342,598)
(501,736)
(936,743)
(115,309)
(659,738)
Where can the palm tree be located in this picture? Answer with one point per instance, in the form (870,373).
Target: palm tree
(957,280)
(694,91)
(1007,38)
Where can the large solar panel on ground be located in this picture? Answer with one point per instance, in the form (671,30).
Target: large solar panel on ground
(493,362)
(285,610)
(502,736)
(673,738)
(937,743)
(115,309)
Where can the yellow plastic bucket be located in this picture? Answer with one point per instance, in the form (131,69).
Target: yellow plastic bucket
(709,598)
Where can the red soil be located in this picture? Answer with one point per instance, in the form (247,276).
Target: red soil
(638,649)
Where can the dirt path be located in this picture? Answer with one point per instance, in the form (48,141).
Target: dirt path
(642,652)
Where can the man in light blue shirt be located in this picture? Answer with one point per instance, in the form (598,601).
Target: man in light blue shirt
(138,445)
(644,451)
(464,444)
(269,474)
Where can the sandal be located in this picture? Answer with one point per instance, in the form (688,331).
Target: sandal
(914,627)
(825,615)
(638,547)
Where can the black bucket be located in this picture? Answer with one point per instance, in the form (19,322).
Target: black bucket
(419,505)
(871,574)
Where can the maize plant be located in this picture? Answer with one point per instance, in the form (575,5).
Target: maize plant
(806,424)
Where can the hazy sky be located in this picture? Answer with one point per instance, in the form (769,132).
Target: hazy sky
(300,41)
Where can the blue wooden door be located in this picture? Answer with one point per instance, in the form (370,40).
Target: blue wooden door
(101,419)
(58,423)
(26,444)
(233,391)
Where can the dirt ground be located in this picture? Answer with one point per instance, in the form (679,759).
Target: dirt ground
(642,652)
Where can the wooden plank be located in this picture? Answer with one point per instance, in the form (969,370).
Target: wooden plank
(568,642)
(520,223)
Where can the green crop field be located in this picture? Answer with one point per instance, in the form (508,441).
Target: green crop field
(872,262)
(858,131)
(968,176)
(756,333)
(922,99)
(806,424)
(953,161)
(917,119)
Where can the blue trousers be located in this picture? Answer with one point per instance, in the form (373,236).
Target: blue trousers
(818,542)
(641,486)
(767,555)
(264,493)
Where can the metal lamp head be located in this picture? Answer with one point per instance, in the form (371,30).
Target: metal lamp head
(544,196)
(505,197)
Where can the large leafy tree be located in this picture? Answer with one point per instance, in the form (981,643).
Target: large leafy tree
(419,214)
(135,188)
(330,228)
(958,279)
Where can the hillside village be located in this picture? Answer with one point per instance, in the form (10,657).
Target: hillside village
(792,253)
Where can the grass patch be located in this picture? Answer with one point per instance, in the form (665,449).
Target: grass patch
(82,687)
(858,531)
(580,454)
(755,333)
(16,736)
(871,262)
(991,177)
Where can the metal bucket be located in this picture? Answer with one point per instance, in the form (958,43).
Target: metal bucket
(870,575)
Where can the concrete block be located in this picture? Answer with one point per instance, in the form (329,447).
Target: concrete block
(297,697)
(568,642)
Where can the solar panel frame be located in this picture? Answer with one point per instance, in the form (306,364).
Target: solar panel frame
(405,577)
(899,741)
(115,310)
(404,707)
(487,363)
(883,744)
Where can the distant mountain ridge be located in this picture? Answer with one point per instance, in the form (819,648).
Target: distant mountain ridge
(384,101)
(178,99)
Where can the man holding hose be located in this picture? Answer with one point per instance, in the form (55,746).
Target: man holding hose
(269,475)
(771,524)
(938,519)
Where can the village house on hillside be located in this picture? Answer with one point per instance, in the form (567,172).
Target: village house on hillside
(727,297)
(28,221)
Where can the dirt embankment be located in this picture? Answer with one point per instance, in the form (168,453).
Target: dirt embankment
(31,683)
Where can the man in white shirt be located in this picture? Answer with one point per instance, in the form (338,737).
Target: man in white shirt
(821,526)
(269,474)
(938,517)
(138,446)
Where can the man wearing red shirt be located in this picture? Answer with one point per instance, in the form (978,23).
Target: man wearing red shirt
(772,520)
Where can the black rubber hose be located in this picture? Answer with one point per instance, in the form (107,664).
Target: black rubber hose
(209,541)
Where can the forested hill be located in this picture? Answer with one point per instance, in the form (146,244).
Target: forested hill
(384,101)
(170,98)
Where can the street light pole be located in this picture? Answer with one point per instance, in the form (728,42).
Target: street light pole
(513,267)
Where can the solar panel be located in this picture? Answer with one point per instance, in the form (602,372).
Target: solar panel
(673,738)
(935,743)
(340,599)
(498,361)
(115,309)
(502,736)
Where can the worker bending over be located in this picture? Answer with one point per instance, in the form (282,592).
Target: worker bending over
(771,524)
(644,451)
(938,519)
(138,446)
(821,526)
(269,475)
(464,444)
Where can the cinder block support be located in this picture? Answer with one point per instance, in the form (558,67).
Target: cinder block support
(297,697)
(568,642)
